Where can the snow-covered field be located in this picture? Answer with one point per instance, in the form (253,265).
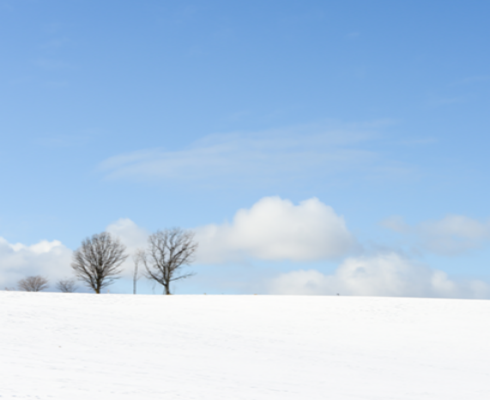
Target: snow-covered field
(80,346)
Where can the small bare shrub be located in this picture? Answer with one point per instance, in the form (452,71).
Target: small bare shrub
(66,285)
(33,283)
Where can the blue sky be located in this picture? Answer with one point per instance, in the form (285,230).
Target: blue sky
(175,113)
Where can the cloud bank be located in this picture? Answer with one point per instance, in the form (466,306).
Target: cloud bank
(276,229)
(387,274)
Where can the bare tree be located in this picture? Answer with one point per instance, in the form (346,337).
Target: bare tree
(66,285)
(138,257)
(168,251)
(33,283)
(97,262)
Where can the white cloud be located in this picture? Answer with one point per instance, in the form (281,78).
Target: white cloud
(276,229)
(272,229)
(50,259)
(387,274)
(453,234)
(130,234)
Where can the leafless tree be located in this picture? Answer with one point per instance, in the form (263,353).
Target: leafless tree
(138,257)
(66,285)
(33,283)
(168,251)
(97,262)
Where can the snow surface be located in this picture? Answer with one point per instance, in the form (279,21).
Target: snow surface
(81,346)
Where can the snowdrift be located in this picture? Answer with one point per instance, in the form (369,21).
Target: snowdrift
(81,346)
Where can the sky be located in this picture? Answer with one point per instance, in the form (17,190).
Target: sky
(314,147)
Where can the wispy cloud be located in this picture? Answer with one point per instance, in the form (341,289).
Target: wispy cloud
(54,44)
(438,100)
(51,64)
(419,141)
(451,235)
(473,79)
(276,154)
(353,35)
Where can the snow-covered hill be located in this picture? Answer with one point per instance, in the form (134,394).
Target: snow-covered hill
(80,346)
